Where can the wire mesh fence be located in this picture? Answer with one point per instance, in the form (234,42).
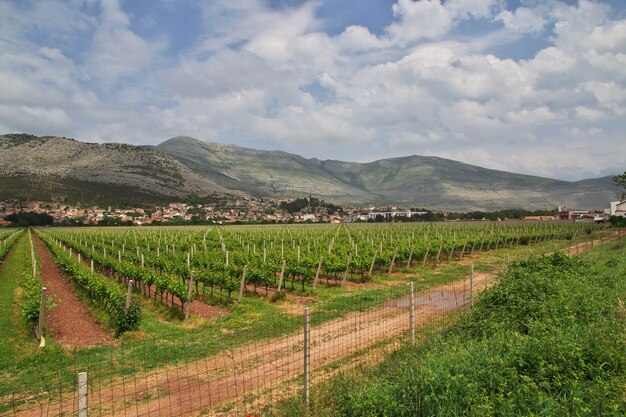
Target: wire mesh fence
(182,376)
(229,376)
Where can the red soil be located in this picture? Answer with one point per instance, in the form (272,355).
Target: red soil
(70,322)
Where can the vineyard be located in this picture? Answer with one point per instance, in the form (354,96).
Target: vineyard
(226,305)
(176,266)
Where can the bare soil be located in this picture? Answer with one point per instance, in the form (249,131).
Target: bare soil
(70,322)
(269,366)
(273,368)
(197,308)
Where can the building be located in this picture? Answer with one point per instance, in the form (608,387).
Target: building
(540,218)
(618,208)
(391,214)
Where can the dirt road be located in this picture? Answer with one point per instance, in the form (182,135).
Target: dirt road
(266,368)
(271,369)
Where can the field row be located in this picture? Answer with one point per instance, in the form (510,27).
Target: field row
(219,263)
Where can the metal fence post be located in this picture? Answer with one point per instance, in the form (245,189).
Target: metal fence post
(307,356)
(471,283)
(411,313)
(82,394)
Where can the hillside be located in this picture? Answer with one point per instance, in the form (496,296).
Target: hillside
(408,181)
(184,168)
(61,169)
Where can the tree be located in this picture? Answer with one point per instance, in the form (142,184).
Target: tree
(30,218)
(620,181)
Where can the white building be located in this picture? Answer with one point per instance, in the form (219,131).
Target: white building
(618,208)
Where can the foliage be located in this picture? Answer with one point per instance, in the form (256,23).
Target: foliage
(617,221)
(30,218)
(109,293)
(114,221)
(620,181)
(548,340)
(430,216)
(31,291)
(310,205)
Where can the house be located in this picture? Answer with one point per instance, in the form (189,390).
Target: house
(618,208)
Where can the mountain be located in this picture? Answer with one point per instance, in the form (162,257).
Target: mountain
(412,181)
(61,169)
(183,168)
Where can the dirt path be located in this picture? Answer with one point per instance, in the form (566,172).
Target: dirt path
(258,368)
(583,247)
(272,368)
(70,322)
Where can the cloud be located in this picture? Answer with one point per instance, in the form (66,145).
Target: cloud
(117,51)
(430,82)
(419,20)
(522,20)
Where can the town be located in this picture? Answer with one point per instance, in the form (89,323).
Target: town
(267,211)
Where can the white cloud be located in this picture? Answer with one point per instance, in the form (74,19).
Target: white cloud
(359,39)
(116,50)
(272,78)
(523,20)
(464,9)
(419,20)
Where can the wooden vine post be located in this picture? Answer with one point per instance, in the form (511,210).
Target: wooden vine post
(42,318)
(408,263)
(393,261)
(345,273)
(369,274)
(317,273)
(282,276)
(439,253)
(189,294)
(242,285)
(128,294)
(425,256)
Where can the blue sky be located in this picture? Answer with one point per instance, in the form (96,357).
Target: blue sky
(530,86)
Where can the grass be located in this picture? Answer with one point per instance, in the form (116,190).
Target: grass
(164,339)
(548,340)
(18,346)
(10,271)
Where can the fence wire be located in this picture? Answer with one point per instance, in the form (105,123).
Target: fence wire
(183,376)
(194,376)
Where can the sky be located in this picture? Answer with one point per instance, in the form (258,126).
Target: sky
(528,86)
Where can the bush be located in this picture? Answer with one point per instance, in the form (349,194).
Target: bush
(547,340)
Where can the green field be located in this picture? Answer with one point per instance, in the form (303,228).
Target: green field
(217,256)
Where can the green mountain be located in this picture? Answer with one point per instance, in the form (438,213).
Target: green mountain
(183,169)
(412,181)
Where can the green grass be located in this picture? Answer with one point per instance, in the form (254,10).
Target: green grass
(18,345)
(164,339)
(548,340)
(10,271)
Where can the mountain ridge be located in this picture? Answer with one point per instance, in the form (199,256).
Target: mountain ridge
(186,168)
